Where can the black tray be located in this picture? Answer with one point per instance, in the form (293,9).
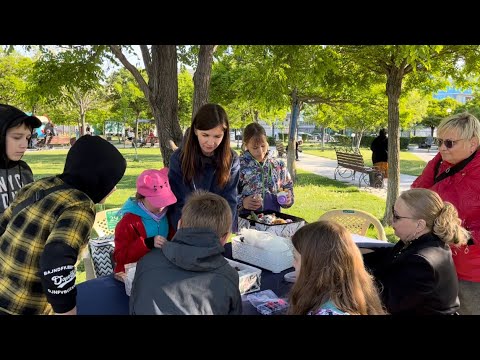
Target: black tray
(269,212)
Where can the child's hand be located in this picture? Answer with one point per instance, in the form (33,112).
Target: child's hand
(252,202)
(289,197)
(159,241)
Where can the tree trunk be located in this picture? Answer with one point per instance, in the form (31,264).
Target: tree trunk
(82,121)
(201,77)
(161,91)
(164,97)
(393,90)
(291,166)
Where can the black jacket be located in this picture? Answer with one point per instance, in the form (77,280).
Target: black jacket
(379,149)
(418,279)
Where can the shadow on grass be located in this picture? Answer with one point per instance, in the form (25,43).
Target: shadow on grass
(306,178)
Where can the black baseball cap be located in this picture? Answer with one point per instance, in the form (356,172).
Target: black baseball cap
(12,116)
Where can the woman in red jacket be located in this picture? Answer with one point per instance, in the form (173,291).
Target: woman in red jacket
(454,173)
(144,224)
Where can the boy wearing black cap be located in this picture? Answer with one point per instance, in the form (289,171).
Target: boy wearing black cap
(15,132)
(47,226)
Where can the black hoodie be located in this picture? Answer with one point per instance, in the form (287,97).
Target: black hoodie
(41,243)
(91,173)
(13,174)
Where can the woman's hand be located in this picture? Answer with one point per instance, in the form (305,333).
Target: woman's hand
(252,202)
(159,241)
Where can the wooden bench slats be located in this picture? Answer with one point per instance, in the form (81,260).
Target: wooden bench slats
(352,162)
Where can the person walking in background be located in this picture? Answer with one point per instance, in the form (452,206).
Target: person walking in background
(16,129)
(454,173)
(418,275)
(262,176)
(189,275)
(143,225)
(49,126)
(379,149)
(330,276)
(205,161)
(48,225)
(429,143)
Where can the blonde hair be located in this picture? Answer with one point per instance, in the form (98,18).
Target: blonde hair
(441,217)
(204,209)
(331,269)
(467,126)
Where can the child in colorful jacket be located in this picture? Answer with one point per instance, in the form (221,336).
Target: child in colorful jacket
(143,225)
(262,176)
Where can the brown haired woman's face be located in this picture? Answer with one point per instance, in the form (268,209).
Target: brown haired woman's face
(210,139)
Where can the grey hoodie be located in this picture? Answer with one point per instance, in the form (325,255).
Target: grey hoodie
(188,276)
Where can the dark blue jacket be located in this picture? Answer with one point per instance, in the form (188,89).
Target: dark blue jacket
(204,179)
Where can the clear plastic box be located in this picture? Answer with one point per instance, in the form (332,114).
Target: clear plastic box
(268,303)
(249,276)
(274,261)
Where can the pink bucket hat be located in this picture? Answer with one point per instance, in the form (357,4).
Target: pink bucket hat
(154,185)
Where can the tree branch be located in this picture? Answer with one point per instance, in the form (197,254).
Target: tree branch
(147,59)
(133,70)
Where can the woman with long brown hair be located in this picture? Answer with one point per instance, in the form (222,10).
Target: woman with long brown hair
(205,161)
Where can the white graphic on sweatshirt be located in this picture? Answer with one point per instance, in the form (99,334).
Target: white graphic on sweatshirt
(60,281)
(60,268)
(11,187)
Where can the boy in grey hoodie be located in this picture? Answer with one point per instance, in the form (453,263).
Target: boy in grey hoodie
(189,275)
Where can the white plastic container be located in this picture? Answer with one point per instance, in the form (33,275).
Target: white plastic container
(274,261)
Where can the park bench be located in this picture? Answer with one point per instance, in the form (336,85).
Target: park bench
(59,140)
(280,148)
(350,162)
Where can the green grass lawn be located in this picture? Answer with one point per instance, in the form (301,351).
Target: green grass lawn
(410,164)
(314,194)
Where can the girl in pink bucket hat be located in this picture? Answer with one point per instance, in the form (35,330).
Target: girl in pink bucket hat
(143,225)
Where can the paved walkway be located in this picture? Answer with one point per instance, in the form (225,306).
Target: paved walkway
(326,167)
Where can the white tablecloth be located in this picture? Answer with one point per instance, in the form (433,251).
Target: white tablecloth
(363,241)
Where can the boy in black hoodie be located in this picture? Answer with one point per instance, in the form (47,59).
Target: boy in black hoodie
(40,243)
(15,132)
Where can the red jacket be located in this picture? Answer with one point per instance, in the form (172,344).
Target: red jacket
(463,191)
(130,235)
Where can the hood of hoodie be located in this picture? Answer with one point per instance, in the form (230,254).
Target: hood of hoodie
(10,117)
(93,166)
(195,249)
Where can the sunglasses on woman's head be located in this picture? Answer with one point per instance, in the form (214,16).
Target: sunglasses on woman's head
(448,143)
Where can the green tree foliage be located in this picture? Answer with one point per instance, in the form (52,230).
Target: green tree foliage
(127,101)
(185,97)
(15,71)
(410,66)
(438,110)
